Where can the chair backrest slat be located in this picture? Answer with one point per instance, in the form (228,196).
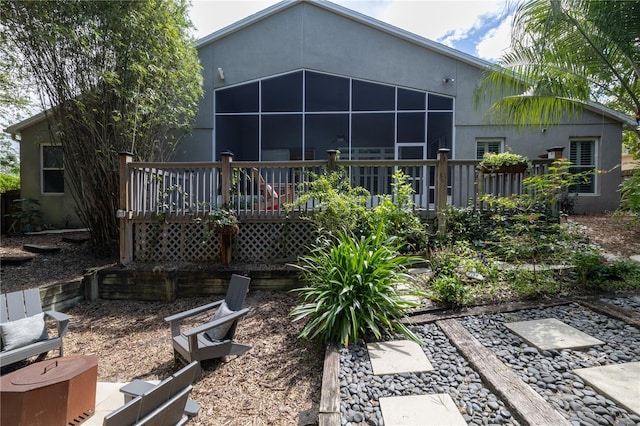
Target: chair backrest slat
(32,302)
(15,306)
(169,413)
(237,292)
(154,397)
(184,377)
(125,415)
(4,313)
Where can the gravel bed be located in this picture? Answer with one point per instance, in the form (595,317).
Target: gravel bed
(360,390)
(548,372)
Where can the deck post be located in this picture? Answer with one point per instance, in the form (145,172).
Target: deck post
(225,180)
(124,210)
(332,156)
(441,189)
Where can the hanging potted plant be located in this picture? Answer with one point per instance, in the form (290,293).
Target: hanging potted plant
(224,222)
(504,162)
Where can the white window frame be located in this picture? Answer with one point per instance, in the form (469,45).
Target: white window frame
(43,169)
(595,141)
(486,142)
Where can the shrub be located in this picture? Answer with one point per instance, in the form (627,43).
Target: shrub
(449,289)
(339,206)
(396,216)
(9,182)
(354,287)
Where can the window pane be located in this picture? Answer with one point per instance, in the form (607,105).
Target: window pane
(238,99)
(410,153)
(440,103)
(281,131)
(326,92)
(53,181)
(283,93)
(487,146)
(52,157)
(372,136)
(439,132)
(238,134)
(372,97)
(324,132)
(411,127)
(410,100)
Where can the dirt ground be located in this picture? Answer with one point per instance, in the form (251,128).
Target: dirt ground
(276,383)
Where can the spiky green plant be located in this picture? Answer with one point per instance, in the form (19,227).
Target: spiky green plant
(354,287)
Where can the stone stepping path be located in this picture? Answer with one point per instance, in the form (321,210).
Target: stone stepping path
(437,409)
(396,357)
(620,382)
(15,260)
(35,248)
(550,333)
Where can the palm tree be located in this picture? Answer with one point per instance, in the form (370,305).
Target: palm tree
(566,53)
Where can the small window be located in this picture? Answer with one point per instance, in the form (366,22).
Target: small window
(583,157)
(488,145)
(52,170)
(410,100)
(326,92)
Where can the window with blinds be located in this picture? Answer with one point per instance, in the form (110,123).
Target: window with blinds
(488,145)
(583,157)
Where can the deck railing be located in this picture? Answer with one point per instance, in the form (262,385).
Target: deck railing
(268,190)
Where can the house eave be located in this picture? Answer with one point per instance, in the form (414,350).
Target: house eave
(17,128)
(352,15)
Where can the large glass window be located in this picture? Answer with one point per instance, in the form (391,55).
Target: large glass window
(238,99)
(52,169)
(583,156)
(326,92)
(302,114)
(283,93)
(373,97)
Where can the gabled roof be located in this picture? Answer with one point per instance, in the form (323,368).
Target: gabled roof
(349,14)
(361,19)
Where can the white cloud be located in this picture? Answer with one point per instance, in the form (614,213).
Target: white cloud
(436,19)
(495,42)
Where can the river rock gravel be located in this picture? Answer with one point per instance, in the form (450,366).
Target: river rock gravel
(550,373)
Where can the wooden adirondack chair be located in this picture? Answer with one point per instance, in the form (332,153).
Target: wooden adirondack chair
(215,338)
(21,305)
(163,404)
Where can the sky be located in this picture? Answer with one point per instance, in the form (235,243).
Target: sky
(478,27)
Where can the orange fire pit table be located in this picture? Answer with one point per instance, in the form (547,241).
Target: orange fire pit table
(57,391)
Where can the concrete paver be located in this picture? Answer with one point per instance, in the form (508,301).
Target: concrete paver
(550,333)
(619,382)
(415,410)
(398,356)
(108,398)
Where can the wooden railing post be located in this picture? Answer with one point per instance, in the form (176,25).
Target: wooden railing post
(124,213)
(332,156)
(225,181)
(441,189)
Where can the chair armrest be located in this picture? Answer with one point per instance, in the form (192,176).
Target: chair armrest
(192,312)
(61,319)
(211,324)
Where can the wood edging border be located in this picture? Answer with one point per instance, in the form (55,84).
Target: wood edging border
(329,411)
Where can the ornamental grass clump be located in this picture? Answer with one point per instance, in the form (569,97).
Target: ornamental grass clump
(355,287)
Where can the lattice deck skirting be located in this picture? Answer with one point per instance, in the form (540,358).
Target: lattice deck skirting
(257,242)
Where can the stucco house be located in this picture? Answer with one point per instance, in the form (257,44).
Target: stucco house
(305,76)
